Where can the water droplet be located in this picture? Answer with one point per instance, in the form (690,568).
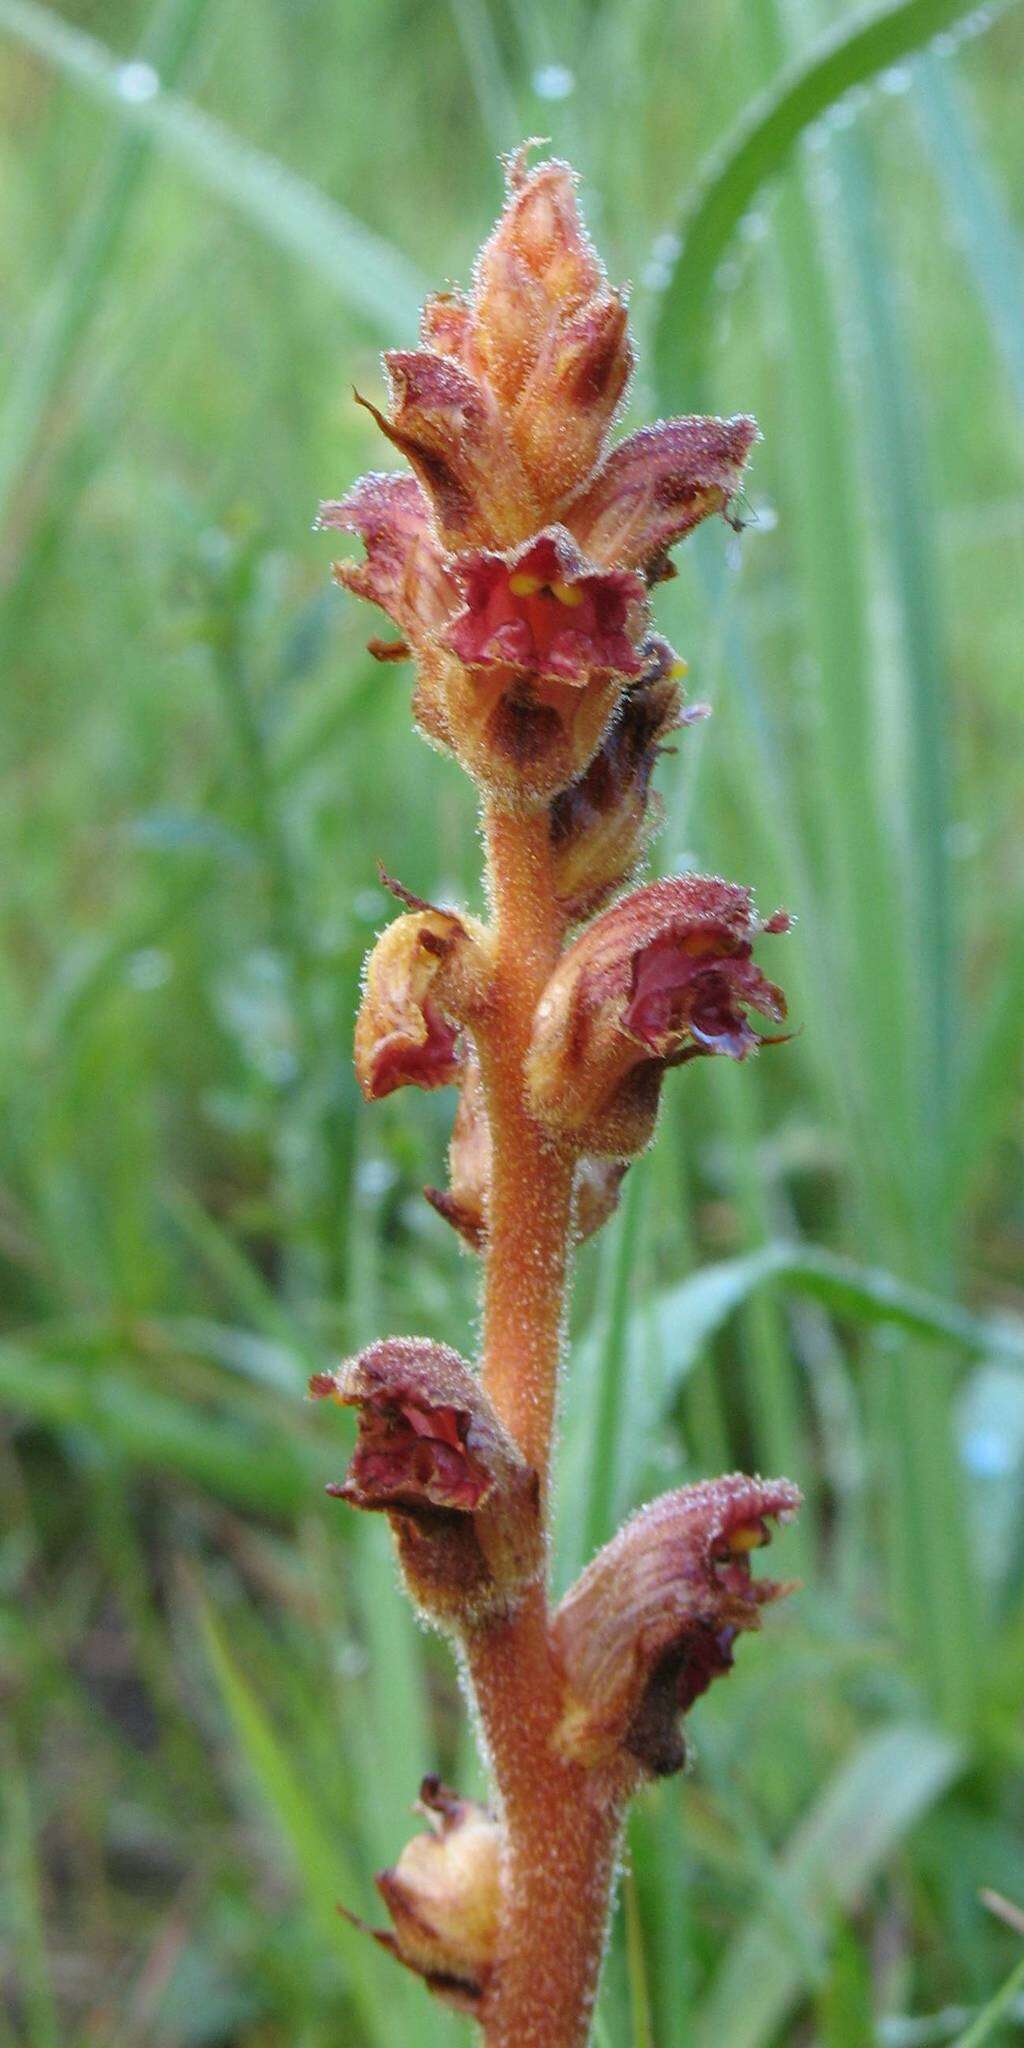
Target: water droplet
(896,80)
(137,82)
(554,82)
(656,276)
(149,968)
(754,225)
(665,247)
(986,1453)
(374,1177)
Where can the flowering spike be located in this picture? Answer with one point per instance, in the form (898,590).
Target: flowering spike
(653,1619)
(517,558)
(663,977)
(431,1453)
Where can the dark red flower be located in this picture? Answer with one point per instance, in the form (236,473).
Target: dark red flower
(545,610)
(431,1453)
(664,976)
(654,1618)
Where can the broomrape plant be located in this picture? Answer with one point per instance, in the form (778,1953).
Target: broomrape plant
(517,556)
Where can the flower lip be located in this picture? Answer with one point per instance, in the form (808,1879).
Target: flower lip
(417,1446)
(654,1617)
(693,982)
(545,610)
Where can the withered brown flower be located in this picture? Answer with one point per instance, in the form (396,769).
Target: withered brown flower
(424,978)
(431,1453)
(665,976)
(654,1618)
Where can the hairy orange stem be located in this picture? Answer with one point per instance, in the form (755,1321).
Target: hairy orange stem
(561,1823)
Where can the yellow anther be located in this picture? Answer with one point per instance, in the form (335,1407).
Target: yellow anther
(522,585)
(749,1537)
(679,669)
(567,593)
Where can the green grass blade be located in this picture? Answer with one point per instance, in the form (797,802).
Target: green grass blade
(269,1472)
(25,1939)
(997,2008)
(847,55)
(362,270)
(320,1861)
(991,247)
(872,1803)
(67,306)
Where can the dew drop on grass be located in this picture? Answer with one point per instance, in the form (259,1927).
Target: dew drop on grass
(554,82)
(136,82)
(896,80)
(149,968)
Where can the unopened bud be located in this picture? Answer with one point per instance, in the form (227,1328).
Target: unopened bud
(654,1618)
(444,1897)
(431,1453)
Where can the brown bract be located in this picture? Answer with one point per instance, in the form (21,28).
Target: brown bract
(425,977)
(431,1453)
(665,976)
(464,1202)
(654,1618)
(601,824)
(516,561)
(444,1897)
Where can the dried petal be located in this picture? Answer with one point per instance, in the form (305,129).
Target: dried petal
(656,486)
(542,609)
(653,1619)
(424,977)
(404,571)
(444,1897)
(431,1453)
(463,1203)
(448,427)
(665,976)
(601,824)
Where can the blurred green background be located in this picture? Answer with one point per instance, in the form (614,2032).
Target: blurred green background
(216,1711)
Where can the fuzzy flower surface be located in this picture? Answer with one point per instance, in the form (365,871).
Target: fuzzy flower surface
(516,552)
(665,976)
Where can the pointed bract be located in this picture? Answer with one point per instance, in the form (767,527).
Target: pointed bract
(657,486)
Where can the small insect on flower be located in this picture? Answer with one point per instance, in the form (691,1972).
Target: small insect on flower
(665,976)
